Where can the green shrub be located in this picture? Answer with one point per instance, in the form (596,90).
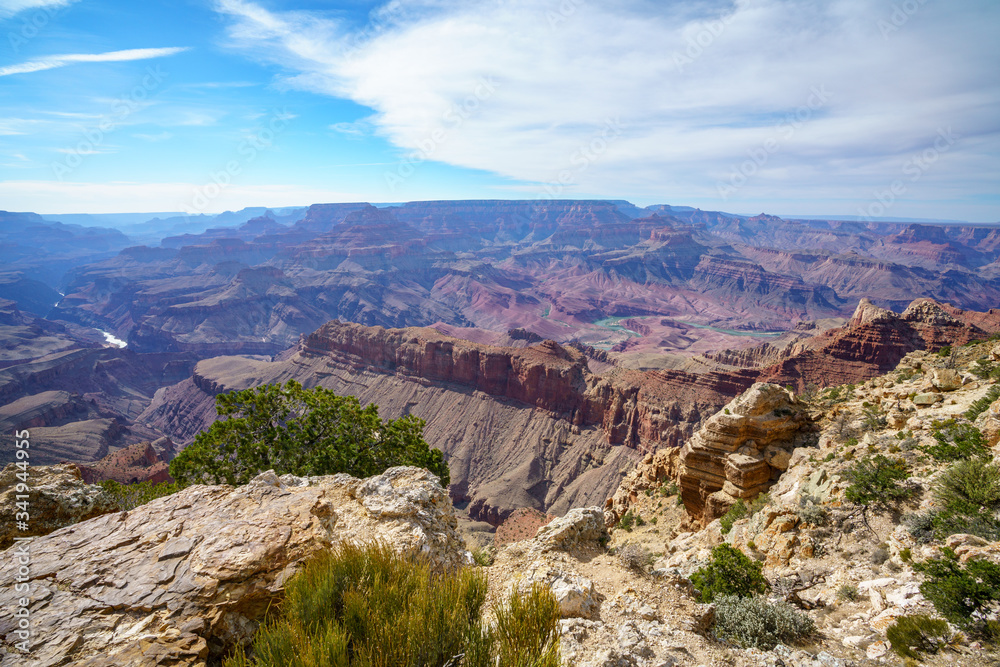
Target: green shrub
(130,496)
(875,483)
(969,496)
(912,635)
(669,489)
(367,606)
(730,572)
(627,521)
(753,622)
(956,440)
(963,595)
(760,502)
(920,526)
(980,406)
(811,511)
(985,369)
(944,351)
(879,555)
(301,431)
(873,418)
(483,556)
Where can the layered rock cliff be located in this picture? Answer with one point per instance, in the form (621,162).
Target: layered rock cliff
(872,342)
(520,426)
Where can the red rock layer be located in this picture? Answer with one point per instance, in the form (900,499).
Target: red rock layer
(874,340)
(643,410)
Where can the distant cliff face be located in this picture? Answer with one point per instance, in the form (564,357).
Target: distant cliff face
(534,426)
(871,343)
(520,426)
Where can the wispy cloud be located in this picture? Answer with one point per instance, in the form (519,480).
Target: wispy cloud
(16,126)
(51,62)
(11,7)
(358,128)
(698,85)
(214,85)
(103,150)
(161,136)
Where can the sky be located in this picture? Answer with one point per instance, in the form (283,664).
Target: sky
(853,108)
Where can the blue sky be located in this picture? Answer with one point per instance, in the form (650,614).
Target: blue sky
(845,107)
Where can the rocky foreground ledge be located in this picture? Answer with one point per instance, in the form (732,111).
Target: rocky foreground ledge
(183,577)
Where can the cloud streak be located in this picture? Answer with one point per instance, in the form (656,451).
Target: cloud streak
(697,85)
(52,62)
(11,7)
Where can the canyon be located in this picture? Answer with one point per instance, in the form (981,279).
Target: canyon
(548,345)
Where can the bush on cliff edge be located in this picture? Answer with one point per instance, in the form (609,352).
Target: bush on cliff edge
(290,429)
(370,607)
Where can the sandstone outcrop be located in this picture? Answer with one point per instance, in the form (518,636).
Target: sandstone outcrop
(57,496)
(740,451)
(186,576)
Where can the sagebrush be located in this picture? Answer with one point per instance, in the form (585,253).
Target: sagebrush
(753,622)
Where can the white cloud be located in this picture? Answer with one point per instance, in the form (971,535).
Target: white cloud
(11,7)
(160,136)
(103,150)
(359,128)
(50,197)
(698,88)
(51,62)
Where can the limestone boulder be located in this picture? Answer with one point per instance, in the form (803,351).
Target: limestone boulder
(57,496)
(946,379)
(989,423)
(926,399)
(575,594)
(580,527)
(179,580)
